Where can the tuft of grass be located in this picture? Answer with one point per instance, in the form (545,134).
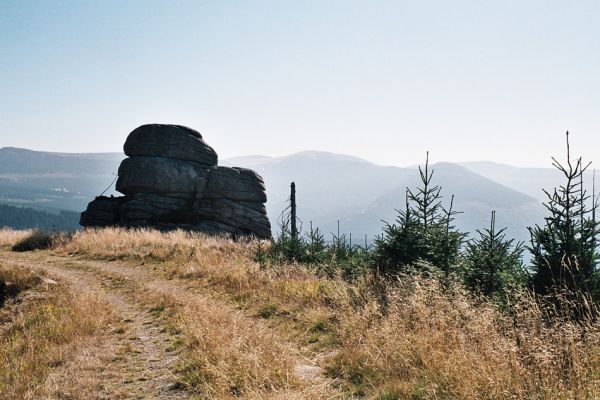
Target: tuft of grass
(319,326)
(8,237)
(267,311)
(14,281)
(157,310)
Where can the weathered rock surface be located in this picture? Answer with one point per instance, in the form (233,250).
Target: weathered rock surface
(172,141)
(103,211)
(235,184)
(171,180)
(240,214)
(145,209)
(161,175)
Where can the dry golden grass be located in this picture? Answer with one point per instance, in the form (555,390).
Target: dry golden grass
(16,280)
(226,356)
(426,343)
(217,261)
(227,266)
(41,330)
(429,343)
(9,237)
(225,353)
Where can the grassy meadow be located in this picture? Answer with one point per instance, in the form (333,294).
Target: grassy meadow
(248,330)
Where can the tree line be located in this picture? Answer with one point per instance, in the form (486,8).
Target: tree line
(18,217)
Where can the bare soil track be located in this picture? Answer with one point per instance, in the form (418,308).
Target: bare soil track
(134,359)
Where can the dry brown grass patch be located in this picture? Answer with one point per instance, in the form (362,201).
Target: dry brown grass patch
(227,355)
(15,280)
(221,264)
(41,331)
(8,237)
(430,343)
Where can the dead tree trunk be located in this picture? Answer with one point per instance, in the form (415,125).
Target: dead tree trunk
(294,227)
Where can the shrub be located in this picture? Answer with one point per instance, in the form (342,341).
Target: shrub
(37,240)
(336,257)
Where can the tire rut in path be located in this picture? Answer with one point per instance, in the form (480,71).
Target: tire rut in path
(133,359)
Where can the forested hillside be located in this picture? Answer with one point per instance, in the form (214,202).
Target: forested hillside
(17,217)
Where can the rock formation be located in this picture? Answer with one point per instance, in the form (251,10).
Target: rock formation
(171,180)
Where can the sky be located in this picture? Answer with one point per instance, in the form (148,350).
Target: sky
(382,80)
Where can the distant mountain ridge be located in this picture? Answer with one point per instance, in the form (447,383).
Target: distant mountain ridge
(16,160)
(361,194)
(518,178)
(331,187)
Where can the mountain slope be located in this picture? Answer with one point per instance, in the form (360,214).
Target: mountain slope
(526,180)
(54,180)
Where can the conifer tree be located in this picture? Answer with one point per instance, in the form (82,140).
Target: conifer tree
(564,248)
(316,246)
(448,253)
(423,231)
(493,264)
(400,243)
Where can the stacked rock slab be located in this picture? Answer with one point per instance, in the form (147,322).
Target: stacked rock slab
(171,180)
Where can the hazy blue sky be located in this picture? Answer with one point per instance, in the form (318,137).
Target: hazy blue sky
(384,80)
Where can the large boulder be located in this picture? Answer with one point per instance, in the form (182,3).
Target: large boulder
(171,181)
(246,217)
(146,209)
(235,184)
(161,175)
(172,141)
(102,211)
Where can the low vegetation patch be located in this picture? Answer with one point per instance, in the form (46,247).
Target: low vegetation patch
(41,330)
(37,240)
(9,237)
(224,354)
(428,342)
(13,281)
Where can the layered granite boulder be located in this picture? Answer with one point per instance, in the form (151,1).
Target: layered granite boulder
(171,180)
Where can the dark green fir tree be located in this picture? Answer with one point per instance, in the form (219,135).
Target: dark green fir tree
(423,231)
(492,263)
(564,249)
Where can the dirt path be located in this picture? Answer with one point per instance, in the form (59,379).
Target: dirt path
(134,358)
